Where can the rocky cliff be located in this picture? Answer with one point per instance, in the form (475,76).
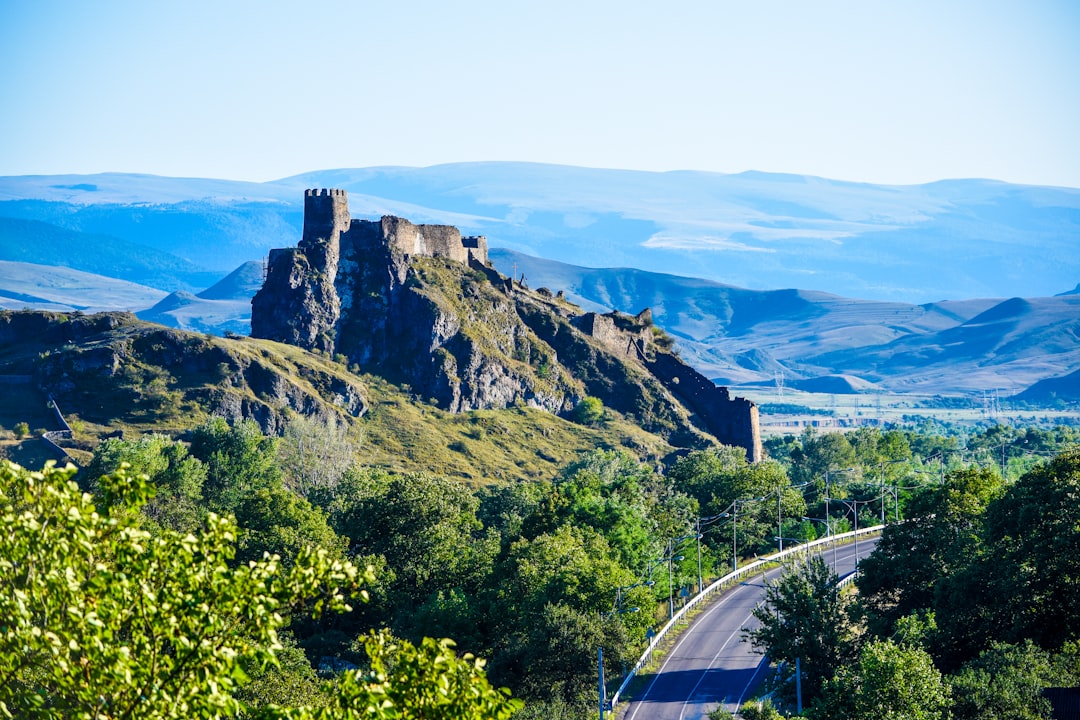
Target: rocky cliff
(419,305)
(114,368)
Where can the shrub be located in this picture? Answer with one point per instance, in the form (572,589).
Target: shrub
(590,411)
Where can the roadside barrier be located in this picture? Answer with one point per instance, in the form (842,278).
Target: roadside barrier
(728,580)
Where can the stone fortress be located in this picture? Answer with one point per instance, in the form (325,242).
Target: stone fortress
(345,289)
(326,216)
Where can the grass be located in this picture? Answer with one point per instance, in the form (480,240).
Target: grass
(164,376)
(485,446)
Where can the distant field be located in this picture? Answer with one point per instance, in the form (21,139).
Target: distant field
(780,413)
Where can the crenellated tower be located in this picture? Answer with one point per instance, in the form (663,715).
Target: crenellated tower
(326,214)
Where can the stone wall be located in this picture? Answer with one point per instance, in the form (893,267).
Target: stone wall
(732,420)
(620,334)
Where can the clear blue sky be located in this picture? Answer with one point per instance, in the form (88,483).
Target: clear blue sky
(903,91)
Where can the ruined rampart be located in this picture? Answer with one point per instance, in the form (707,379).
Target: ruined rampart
(733,420)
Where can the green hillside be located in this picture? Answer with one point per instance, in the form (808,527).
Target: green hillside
(114,372)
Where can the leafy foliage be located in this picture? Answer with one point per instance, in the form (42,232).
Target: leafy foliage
(805,617)
(1006,681)
(101,619)
(889,682)
(590,411)
(410,682)
(1025,581)
(939,535)
(239,460)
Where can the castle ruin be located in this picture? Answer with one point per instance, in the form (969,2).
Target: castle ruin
(734,420)
(348,289)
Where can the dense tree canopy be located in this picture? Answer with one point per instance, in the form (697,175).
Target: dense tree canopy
(805,617)
(940,534)
(101,619)
(534,577)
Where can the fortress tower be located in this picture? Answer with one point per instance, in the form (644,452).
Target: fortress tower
(326,215)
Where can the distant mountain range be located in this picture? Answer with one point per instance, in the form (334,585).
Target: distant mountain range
(919,243)
(825,343)
(715,250)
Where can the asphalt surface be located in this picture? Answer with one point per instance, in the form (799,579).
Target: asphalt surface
(710,663)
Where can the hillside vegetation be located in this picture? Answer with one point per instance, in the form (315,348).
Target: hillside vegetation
(114,372)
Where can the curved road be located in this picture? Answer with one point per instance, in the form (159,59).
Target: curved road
(710,663)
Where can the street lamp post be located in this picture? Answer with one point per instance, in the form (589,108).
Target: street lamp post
(672,557)
(734,530)
(828,534)
(854,505)
(619,595)
(779,522)
(700,580)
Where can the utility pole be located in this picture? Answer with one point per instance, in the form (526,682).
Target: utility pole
(603,691)
(779,521)
(798,687)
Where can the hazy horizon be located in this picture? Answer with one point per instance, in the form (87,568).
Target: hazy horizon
(258,91)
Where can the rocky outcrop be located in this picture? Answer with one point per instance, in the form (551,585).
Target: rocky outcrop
(113,366)
(418,305)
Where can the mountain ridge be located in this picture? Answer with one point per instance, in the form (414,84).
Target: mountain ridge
(753,230)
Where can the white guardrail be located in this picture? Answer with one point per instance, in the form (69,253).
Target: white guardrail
(751,569)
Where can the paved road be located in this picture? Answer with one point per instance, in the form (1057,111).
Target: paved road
(711,664)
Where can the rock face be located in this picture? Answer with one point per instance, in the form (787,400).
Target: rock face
(111,365)
(419,305)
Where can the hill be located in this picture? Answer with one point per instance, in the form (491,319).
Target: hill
(41,243)
(421,306)
(753,230)
(222,308)
(113,372)
(738,336)
(49,287)
(733,335)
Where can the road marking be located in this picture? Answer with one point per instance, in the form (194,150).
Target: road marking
(674,650)
(690,696)
(764,662)
(686,635)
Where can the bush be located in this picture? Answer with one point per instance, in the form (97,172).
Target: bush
(590,411)
(21,430)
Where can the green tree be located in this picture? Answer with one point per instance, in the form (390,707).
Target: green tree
(1025,581)
(634,508)
(275,521)
(889,682)
(940,535)
(1006,681)
(103,620)
(590,411)
(428,681)
(819,455)
(717,477)
(239,460)
(178,478)
(553,605)
(426,528)
(805,616)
